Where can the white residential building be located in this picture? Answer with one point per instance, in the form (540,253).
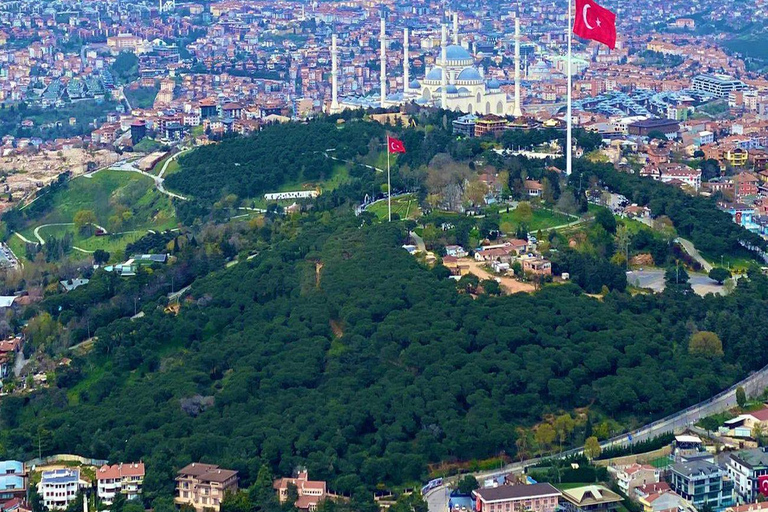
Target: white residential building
(59,487)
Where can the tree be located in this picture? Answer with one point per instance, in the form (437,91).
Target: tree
(741,397)
(524,212)
(605,218)
(467,484)
(84,220)
(676,279)
(491,287)
(719,274)
(705,343)
(564,425)
(758,433)
(657,134)
(100,256)
(710,424)
(545,436)
(468,283)
(592,448)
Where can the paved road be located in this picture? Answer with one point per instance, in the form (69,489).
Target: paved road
(754,384)
(159,181)
(654,279)
(694,253)
(418,241)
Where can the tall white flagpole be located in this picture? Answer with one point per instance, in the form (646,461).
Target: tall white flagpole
(389,186)
(569,121)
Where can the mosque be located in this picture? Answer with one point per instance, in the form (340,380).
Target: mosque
(454,83)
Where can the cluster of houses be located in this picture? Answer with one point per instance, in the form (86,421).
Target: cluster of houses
(499,257)
(199,485)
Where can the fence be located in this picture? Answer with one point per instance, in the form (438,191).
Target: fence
(65,457)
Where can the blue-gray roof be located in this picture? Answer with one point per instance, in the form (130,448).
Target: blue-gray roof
(470,74)
(435,74)
(456,52)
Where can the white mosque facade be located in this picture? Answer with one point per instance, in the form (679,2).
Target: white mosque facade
(453,83)
(466,89)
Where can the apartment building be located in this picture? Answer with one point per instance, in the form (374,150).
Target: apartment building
(203,485)
(702,483)
(13,480)
(126,479)
(59,487)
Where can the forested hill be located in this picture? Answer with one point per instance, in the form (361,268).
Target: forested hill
(250,166)
(337,350)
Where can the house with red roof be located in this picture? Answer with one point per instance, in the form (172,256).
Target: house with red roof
(126,479)
(311,492)
(636,475)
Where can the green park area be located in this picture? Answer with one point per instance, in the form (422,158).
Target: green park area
(406,207)
(533,218)
(125,204)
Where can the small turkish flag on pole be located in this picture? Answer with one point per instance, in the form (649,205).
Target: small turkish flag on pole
(395,145)
(595,22)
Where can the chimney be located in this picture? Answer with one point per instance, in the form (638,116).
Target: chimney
(383,61)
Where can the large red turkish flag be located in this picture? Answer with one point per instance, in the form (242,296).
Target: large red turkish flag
(595,22)
(763,485)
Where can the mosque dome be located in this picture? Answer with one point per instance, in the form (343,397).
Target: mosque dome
(452,89)
(435,74)
(455,52)
(463,90)
(469,75)
(414,84)
(493,84)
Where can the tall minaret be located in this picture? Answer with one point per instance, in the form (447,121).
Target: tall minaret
(517,112)
(455,27)
(334,76)
(444,74)
(383,60)
(406,64)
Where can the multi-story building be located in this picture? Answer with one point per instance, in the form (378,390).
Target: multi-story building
(59,487)
(541,497)
(636,475)
(310,492)
(13,480)
(203,485)
(747,468)
(719,85)
(702,483)
(126,479)
(490,124)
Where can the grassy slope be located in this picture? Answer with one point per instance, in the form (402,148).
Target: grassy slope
(405,206)
(151,211)
(542,219)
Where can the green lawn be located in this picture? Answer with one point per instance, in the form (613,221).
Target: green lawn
(661,462)
(103,193)
(340,176)
(109,243)
(541,219)
(405,206)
